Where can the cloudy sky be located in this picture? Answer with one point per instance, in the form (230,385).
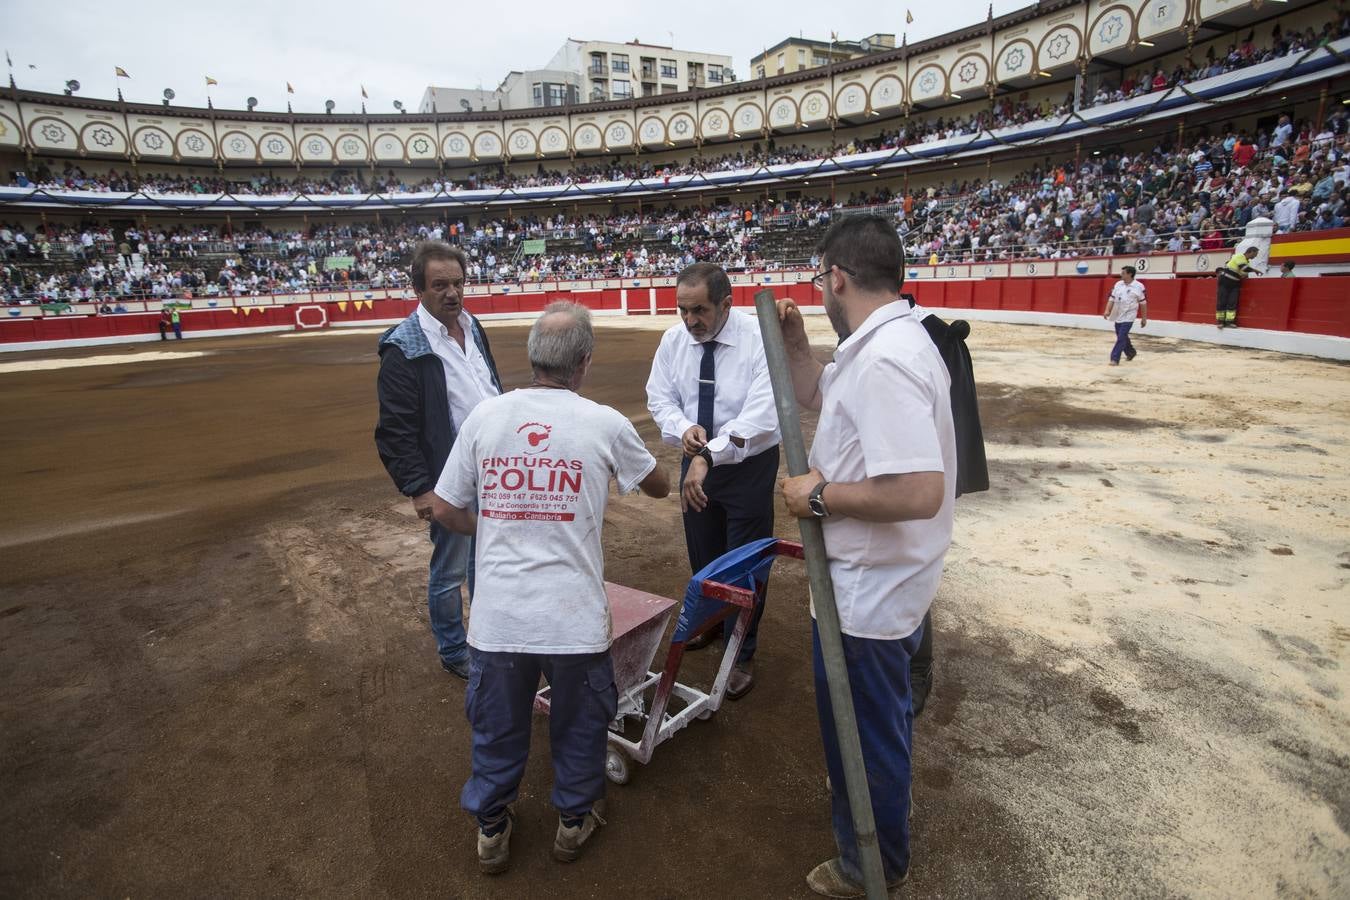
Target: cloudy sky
(397,47)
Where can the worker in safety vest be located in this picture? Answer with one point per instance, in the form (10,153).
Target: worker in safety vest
(1231,276)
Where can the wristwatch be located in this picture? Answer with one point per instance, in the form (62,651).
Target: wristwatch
(817,501)
(707,456)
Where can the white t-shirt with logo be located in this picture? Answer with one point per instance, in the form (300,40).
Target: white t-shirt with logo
(538,462)
(886,410)
(1127,298)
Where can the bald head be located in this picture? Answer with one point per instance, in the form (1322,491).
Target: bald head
(561,342)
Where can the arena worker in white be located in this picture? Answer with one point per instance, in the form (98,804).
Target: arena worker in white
(883,482)
(536,464)
(1127,301)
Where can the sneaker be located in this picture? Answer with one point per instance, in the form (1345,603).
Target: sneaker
(1115,362)
(568,843)
(828,880)
(458,669)
(494,852)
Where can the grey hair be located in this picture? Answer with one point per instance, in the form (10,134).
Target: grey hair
(557,350)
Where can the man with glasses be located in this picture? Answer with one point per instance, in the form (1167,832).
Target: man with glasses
(710,394)
(883,483)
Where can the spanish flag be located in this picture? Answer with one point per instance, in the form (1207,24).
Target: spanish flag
(909,18)
(121,72)
(289,89)
(210,81)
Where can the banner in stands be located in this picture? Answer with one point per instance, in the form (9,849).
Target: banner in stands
(338,262)
(533,247)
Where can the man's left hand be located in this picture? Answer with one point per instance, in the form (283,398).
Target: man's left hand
(796,492)
(692,495)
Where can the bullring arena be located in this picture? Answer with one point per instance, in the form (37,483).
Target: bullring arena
(216,675)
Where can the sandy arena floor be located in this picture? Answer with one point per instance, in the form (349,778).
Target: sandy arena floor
(215,676)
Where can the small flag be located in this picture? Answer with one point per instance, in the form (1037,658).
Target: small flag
(909,17)
(834,35)
(210,81)
(9,62)
(31,66)
(289,89)
(364,95)
(121,72)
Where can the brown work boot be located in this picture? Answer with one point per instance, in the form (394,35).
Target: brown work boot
(828,880)
(741,680)
(569,841)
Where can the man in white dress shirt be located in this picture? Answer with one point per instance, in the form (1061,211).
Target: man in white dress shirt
(883,483)
(710,394)
(435,367)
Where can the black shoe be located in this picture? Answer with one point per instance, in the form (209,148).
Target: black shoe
(458,669)
(703,640)
(1130,357)
(741,680)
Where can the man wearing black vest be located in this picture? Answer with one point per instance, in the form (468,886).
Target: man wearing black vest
(435,367)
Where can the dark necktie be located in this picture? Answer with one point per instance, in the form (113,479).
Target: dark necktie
(705,389)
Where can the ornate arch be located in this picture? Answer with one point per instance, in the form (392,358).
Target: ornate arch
(103,137)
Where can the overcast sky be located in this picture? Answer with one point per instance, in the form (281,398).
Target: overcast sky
(396,47)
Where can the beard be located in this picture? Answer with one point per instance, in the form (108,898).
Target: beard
(834,311)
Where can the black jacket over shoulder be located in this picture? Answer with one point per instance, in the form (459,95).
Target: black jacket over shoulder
(972,470)
(415,434)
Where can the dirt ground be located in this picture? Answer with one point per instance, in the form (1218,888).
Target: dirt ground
(216,679)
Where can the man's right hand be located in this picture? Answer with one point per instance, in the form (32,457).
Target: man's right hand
(794,328)
(422,505)
(694,440)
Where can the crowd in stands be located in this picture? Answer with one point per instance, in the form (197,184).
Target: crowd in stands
(1239,55)
(1199,196)
(1003,113)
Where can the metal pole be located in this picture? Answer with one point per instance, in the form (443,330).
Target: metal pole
(827,615)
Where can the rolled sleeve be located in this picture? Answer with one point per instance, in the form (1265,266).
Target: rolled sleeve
(896,429)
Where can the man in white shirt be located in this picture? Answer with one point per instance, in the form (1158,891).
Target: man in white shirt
(710,394)
(435,367)
(1126,301)
(1285,213)
(536,464)
(883,481)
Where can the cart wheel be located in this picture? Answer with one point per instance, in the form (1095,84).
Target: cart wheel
(705,715)
(616,766)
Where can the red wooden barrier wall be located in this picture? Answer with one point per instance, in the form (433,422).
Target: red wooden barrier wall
(1307,305)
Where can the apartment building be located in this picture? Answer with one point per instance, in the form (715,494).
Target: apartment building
(796,54)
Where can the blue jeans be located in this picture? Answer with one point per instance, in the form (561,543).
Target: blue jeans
(500,704)
(878,676)
(451,566)
(1123,344)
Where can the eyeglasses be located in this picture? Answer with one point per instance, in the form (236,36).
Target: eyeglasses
(819,280)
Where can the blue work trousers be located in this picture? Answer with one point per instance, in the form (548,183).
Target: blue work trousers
(878,675)
(1123,344)
(499,703)
(451,566)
